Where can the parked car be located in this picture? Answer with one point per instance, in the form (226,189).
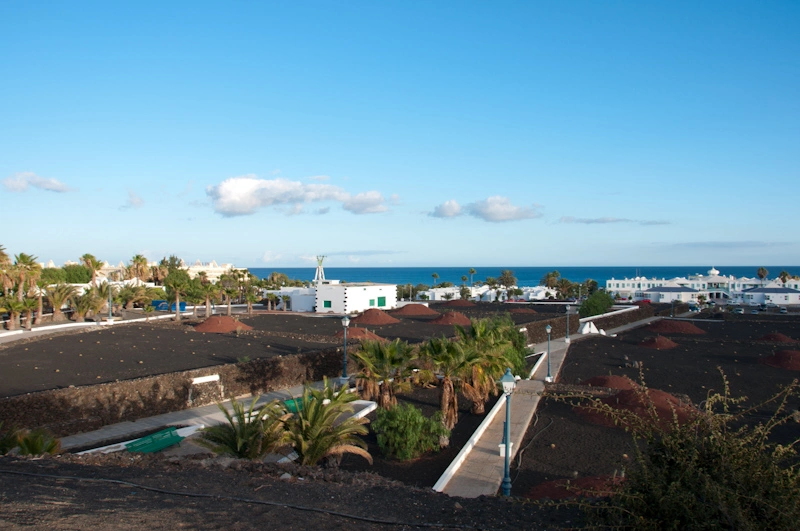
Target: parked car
(754,312)
(740,311)
(783,309)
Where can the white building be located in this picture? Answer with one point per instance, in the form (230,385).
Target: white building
(711,286)
(779,295)
(333,296)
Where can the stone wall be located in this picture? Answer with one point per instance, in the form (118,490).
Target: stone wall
(80,409)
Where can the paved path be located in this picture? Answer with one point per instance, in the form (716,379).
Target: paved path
(482,471)
(205,415)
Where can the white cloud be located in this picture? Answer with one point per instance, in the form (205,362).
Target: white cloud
(269,256)
(19,182)
(134,201)
(607,220)
(240,196)
(498,209)
(365,203)
(322,211)
(448,209)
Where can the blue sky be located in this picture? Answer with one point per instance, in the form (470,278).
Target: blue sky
(402,133)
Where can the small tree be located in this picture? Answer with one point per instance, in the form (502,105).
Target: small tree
(435,278)
(597,303)
(762,274)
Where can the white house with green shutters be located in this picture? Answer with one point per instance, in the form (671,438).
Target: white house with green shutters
(333,296)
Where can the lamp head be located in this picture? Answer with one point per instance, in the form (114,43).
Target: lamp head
(548,328)
(508,381)
(345,321)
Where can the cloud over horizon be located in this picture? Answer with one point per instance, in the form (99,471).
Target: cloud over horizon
(495,209)
(246,194)
(607,220)
(19,182)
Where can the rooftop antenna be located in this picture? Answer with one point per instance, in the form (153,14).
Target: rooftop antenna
(319,276)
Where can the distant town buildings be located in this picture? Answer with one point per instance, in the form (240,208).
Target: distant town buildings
(712,286)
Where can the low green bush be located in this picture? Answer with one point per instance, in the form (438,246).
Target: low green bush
(405,433)
(38,442)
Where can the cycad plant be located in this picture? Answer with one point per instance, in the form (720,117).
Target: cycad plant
(318,431)
(58,296)
(249,433)
(38,442)
(82,305)
(14,308)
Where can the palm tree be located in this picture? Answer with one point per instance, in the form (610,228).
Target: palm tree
(6,275)
(177,282)
(139,267)
(248,434)
(209,291)
(148,309)
(452,361)
(550,279)
(14,309)
(435,278)
(285,299)
(493,285)
(784,276)
(564,288)
(385,368)
(29,306)
(471,272)
(130,295)
(317,432)
(463,280)
(26,268)
(762,274)
(93,265)
(272,301)
(83,304)
(57,296)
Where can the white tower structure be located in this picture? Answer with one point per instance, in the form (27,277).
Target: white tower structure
(319,276)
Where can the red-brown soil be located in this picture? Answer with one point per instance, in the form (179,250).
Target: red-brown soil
(776,337)
(361,334)
(587,487)
(460,303)
(611,382)
(784,359)
(658,343)
(374,317)
(675,327)
(452,318)
(221,325)
(522,310)
(635,402)
(417,310)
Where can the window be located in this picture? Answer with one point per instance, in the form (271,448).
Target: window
(326,304)
(381,301)
(372,302)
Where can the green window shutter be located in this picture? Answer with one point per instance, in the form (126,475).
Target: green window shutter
(326,304)
(381,301)
(372,302)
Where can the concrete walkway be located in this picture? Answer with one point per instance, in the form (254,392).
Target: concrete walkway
(482,471)
(205,415)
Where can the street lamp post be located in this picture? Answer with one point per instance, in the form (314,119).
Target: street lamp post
(345,324)
(566,339)
(509,383)
(548,329)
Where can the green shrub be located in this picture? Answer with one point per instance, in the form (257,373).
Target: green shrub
(38,442)
(713,472)
(248,433)
(405,433)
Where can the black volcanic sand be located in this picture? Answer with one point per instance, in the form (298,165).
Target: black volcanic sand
(690,369)
(102,355)
(115,353)
(426,470)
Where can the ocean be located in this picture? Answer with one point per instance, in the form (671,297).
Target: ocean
(526,276)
